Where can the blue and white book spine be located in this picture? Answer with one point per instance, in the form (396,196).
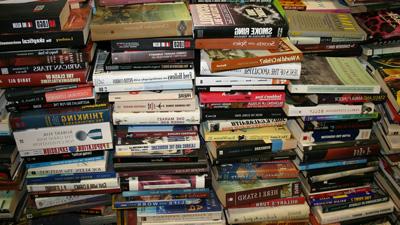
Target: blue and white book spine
(326,164)
(88,167)
(96,184)
(164,192)
(64,162)
(145,86)
(69,177)
(46,202)
(135,204)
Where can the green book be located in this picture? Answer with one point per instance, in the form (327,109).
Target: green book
(141,21)
(323,24)
(333,75)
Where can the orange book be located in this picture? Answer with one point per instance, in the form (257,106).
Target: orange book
(238,43)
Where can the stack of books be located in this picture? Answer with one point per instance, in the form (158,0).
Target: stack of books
(333,105)
(245,64)
(59,131)
(148,73)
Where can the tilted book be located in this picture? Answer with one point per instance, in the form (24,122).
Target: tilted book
(322,24)
(141,21)
(239,20)
(332,75)
(380,24)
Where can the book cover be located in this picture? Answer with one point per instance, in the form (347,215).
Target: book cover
(238,20)
(141,21)
(329,6)
(230,59)
(332,75)
(293,4)
(323,24)
(380,24)
(32,15)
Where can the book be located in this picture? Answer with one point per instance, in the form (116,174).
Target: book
(230,59)
(141,21)
(323,24)
(386,71)
(335,75)
(329,6)
(262,133)
(380,24)
(293,4)
(238,20)
(30,16)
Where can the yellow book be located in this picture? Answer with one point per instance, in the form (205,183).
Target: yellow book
(262,133)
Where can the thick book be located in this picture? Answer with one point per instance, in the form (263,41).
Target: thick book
(136,56)
(385,71)
(238,20)
(75,34)
(234,193)
(322,24)
(335,75)
(230,59)
(380,24)
(31,16)
(141,21)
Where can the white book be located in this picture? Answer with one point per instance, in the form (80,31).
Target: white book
(145,86)
(280,213)
(62,136)
(46,202)
(353,213)
(227,81)
(92,184)
(328,109)
(86,167)
(151,95)
(276,71)
(156,105)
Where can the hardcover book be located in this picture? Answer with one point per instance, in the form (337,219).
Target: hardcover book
(332,75)
(238,20)
(380,24)
(230,59)
(141,21)
(322,24)
(31,15)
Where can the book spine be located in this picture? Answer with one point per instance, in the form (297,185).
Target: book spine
(165,192)
(47,202)
(341,199)
(156,159)
(136,204)
(38,52)
(243,105)
(238,43)
(145,86)
(275,71)
(140,134)
(150,66)
(327,110)
(131,77)
(318,187)
(89,191)
(24,107)
(374,115)
(39,62)
(156,106)
(266,174)
(83,185)
(50,119)
(179,182)
(163,172)
(43,79)
(187,144)
(46,172)
(43,40)
(338,135)
(201,216)
(235,114)
(15,25)
(70,94)
(350,98)
(150,56)
(326,47)
(262,194)
(231,81)
(63,162)
(330,176)
(274,202)
(365,201)
(54,137)
(191,117)
(239,32)
(222,97)
(341,153)
(231,64)
(41,68)
(335,125)
(284,213)
(66,149)
(223,125)
(312,166)
(153,44)
(243,136)
(76,177)
(332,194)
(15,93)
(142,96)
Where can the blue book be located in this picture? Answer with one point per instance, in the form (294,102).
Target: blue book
(327,164)
(70,177)
(64,162)
(152,203)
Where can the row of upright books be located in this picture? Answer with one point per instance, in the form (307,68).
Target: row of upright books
(259,113)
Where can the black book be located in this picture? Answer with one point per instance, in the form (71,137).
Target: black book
(223,114)
(170,43)
(24,16)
